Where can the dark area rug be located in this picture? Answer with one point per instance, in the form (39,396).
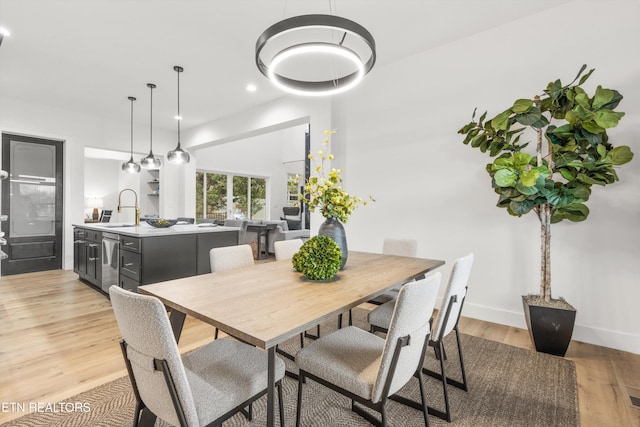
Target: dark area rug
(508,386)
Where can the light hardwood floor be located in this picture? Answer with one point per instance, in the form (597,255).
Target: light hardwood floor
(58,338)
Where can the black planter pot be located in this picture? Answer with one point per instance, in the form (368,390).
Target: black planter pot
(333,228)
(550,328)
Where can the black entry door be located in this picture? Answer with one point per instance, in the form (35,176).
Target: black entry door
(32,200)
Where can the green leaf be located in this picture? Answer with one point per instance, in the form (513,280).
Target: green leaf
(587,179)
(555,89)
(526,190)
(530,117)
(505,178)
(521,160)
(501,121)
(528,178)
(575,212)
(602,97)
(477,140)
(521,208)
(568,173)
(502,163)
(621,155)
(586,76)
(582,99)
(617,97)
(565,129)
(607,118)
(592,127)
(522,106)
(579,191)
(592,138)
(602,150)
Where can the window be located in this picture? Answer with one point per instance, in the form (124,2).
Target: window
(211,195)
(220,196)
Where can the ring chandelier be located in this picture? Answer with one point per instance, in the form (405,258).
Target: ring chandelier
(302,51)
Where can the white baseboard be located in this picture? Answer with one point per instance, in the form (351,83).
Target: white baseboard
(588,334)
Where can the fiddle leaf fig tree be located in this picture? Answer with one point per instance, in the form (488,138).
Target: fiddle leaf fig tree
(572,154)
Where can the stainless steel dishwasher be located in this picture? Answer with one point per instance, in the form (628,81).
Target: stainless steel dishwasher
(110,260)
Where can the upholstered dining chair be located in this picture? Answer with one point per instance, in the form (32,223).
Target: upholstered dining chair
(368,369)
(229,258)
(399,247)
(285,249)
(203,387)
(446,322)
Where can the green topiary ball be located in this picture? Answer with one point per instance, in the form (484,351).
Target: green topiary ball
(319,258)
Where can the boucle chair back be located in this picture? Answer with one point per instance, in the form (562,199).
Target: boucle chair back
(145,328)
(285,249)
(230,257)
(457,287)
(411,316)
(400,247)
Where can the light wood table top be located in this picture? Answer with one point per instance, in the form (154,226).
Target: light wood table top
(269,303)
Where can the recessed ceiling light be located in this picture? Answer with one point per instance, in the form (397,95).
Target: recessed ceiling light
(4,32)
(251,87)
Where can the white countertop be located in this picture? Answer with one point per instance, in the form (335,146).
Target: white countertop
(146,230)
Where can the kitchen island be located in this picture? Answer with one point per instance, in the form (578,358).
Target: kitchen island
(128,256)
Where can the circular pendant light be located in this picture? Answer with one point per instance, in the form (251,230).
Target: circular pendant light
(150,161)
(131,166)
(178,156)
(315,55)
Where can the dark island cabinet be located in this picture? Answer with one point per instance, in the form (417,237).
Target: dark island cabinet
(146,260)
(87,255)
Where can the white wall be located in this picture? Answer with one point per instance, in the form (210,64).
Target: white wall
(399,136)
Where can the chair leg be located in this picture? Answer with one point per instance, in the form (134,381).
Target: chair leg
(299,404)
(215,336)
(280,403)
(147,419)
(423,396)
(464,375)
(383,415)
(302,340)
(444,383)
(136,416)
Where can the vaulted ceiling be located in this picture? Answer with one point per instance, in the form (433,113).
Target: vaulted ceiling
(90,55)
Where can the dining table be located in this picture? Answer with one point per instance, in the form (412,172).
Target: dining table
(269,303)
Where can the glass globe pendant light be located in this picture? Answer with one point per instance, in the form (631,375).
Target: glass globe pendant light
(150,161)
(131,166)
(178,156)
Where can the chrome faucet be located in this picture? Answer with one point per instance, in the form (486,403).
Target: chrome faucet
(135,207)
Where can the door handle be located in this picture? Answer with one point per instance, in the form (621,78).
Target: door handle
(92,255)
(128,264)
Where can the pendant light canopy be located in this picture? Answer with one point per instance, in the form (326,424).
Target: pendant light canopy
(178,156)
(131,166)
(315,55)
(150,161)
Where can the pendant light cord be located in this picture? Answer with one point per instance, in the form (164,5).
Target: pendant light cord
(132,99)
(179,116)
(151,123)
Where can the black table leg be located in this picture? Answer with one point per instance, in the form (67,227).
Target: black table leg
(176,318)
(271,382)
